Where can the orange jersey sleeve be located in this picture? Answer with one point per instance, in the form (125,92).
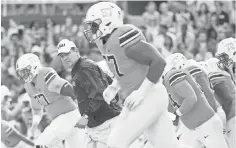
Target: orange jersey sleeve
(53,81)
(129,35)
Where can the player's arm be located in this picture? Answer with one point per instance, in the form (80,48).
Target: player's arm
(146,54)
(9,130)
(184,90)
(58,85)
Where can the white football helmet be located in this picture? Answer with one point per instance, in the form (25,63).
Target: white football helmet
(212,65)
(203,65)
(27,67)
(101,19)
(176,60)
(226,53)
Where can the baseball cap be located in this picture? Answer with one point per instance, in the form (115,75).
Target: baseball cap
(64,46)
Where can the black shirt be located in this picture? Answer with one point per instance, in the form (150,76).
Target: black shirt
(89,82)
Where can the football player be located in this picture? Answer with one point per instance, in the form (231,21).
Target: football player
(225,92)
(47,90)
(192,107)
(201,78)
(12,138)
(226,54)
(137,66)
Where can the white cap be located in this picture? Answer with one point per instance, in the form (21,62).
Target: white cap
(64,46)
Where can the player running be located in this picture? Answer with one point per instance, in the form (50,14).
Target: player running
(201,78)
(137,66)
(192,107)
(226,53)
(47,90)
(225,92)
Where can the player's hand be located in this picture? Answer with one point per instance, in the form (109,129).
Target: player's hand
(110,92)
(133,100)
(82,123)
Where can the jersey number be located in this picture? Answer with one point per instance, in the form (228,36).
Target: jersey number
(111,58)
(42,99)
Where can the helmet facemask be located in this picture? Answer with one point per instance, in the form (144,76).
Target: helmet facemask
(24,74)
(224,61)
(93,32)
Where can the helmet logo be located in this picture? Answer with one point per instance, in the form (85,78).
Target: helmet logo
(231,46)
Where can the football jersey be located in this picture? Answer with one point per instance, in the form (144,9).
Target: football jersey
(46,98)
(201,78)
(201,111)
(129,73)
(225,91)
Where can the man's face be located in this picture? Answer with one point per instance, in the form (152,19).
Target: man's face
(69,59)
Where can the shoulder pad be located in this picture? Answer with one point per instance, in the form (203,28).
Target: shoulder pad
(49,74)
(193,70)
(129,34)
(175,76)
(216,77)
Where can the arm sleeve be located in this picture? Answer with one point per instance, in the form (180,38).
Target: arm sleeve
(58,85)
(146,54)
(186,92)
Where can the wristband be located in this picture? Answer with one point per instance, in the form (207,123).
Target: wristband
(178,112)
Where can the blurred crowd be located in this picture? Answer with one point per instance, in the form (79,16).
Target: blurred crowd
(191,28)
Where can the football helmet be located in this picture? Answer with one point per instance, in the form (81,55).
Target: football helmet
(176,60)
(226,53)
(212,65)
(27,67)
(101,19)
(203,65)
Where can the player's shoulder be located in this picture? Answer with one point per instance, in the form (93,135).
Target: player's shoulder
(216,77)
(193,70)
(175,76)
(128,35)
(48,74)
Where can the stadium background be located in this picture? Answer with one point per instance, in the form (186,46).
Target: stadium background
(191,27)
